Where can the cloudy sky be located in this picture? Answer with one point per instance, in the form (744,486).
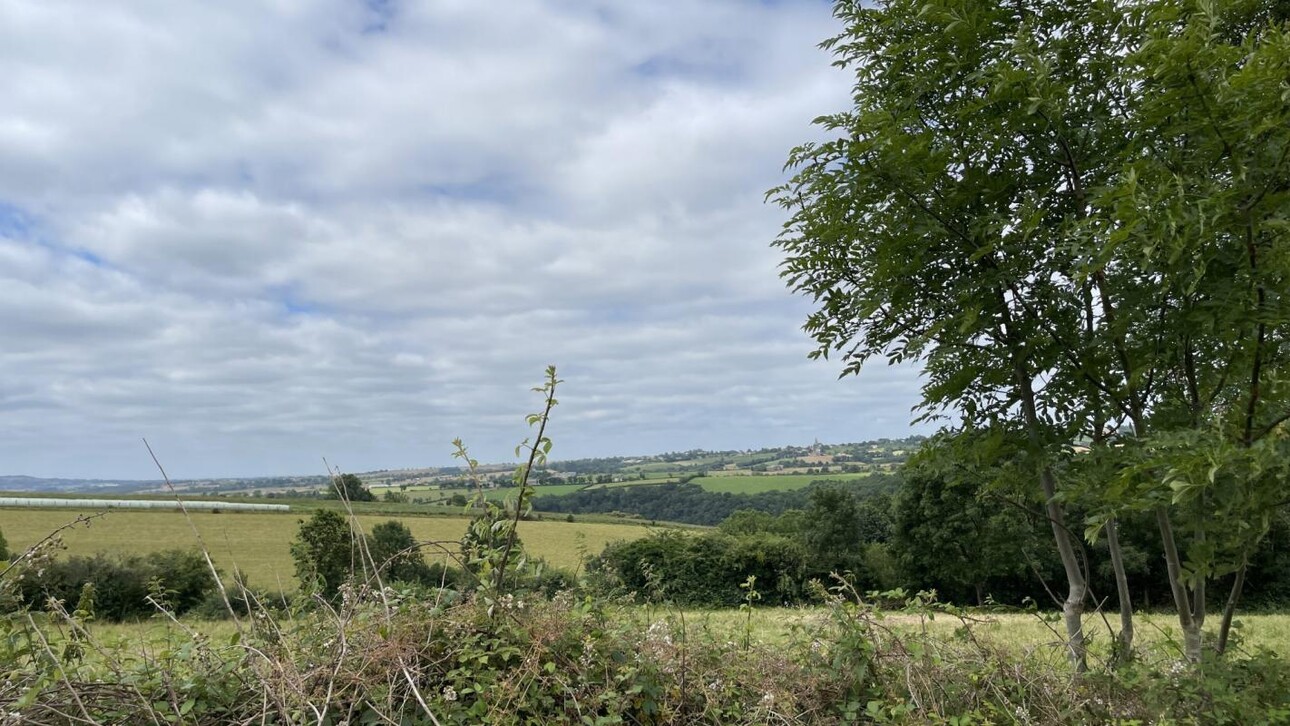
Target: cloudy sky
(261,232)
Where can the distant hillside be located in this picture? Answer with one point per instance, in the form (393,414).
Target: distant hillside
(18,483)
(816,459)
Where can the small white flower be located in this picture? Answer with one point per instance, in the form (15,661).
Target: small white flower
(449,693)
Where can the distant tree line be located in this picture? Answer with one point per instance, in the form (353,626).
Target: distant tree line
(691,504)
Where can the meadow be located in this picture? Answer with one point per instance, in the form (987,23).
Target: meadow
(432,493)
(258,543)
(745,484)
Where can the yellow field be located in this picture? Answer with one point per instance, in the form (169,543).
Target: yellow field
(259,543)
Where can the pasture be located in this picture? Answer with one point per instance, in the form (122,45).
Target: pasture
(258,543)
(738,482)
(430,493)
(755,484)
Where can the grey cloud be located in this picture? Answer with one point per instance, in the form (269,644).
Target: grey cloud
(260,233)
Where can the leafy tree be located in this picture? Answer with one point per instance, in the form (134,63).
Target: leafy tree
(1039,201)
(833,537)
(1197,214)
(950,532)
(4,548)
(929,229)
(350,488)
(394,550)
(324,551)
(747,522)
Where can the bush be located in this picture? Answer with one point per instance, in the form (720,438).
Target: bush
(396,553)
(324,552)
(179,580)
(704,570)
(351,488)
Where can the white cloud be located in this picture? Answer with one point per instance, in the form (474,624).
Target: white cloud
(260,233)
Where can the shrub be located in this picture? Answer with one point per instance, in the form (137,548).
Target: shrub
(324,552)
(396,553)
(179,580)
(704,570)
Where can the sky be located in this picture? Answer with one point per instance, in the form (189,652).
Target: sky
(259,233)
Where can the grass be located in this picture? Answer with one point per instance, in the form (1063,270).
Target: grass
(1019,632)
(434,493)
(736,482)
(259,543)
(767,483)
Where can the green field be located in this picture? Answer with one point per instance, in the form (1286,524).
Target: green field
(433,493)
(737,484)
(259,543)
(740,482)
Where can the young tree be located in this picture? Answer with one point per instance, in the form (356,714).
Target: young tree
(833,537)
(394,551)
(949,530)
(325,551)
(938,225)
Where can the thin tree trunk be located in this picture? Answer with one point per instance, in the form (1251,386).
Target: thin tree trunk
(1122,590)
(1077,587)
(1191,631)
(1230,609)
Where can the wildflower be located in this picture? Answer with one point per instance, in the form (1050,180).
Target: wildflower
(449,693)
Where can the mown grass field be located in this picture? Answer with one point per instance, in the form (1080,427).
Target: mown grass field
(258,543)
(736,484)
(434,493)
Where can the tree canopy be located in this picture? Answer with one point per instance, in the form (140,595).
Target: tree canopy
(350,488)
